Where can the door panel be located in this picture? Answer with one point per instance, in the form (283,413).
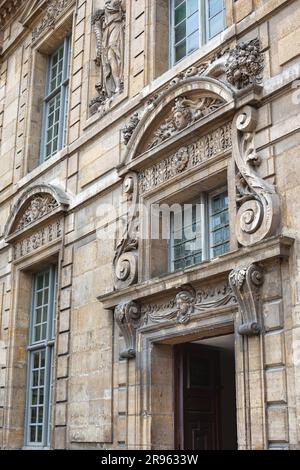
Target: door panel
(197,376)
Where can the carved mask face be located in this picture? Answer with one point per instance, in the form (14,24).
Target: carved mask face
(112,4)
(180,120)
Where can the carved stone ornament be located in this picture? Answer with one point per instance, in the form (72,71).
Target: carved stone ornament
(126,254)
(185,112)
(109,27)
(245,64)
(129,128)
(245,283)
(185,158)
(39,206)
(258,214)
(187,302)
(53,11)
(127,316)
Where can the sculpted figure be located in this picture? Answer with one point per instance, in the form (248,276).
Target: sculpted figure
(109,26)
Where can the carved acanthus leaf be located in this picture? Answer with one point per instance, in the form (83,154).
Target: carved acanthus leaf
(245,283)
(184,112)
(39,206)
(127,316)
(258,213)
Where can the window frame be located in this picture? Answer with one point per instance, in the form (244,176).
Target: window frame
(46,345)
(63,90)
(203,22)
(205,199)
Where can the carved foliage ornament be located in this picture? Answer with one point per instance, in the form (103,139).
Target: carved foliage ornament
(109,27)
(258,214)
(41,237)
(126,254)
(129,128)
(185,112)
(127,316)
(53,11)
(186,157)
(245,283)
(40,205)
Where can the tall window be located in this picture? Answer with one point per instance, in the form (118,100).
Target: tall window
(40,364)
(200,230)
(55,117)
(194,22)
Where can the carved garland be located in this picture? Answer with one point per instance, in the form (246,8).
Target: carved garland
(257,201)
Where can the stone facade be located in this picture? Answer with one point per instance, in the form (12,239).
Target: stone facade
(139,133)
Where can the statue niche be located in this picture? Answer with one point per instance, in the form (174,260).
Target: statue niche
(109,26)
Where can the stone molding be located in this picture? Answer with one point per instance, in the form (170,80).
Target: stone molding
(258,214)
(245,283)
(8,9)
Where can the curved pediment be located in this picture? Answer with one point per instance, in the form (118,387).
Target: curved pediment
(34,206)
(190,101)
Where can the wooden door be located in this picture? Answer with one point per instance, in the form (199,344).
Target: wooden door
(197,397)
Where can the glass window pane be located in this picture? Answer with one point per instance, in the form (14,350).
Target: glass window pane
(216,25)
(180,32)
(178,2)
(192,23)
(193,42)
(180,13)
(180,51)
(191,6)
(214,7)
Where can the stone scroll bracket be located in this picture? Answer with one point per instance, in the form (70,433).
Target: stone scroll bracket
(125,263)
(258,205)
(245,283)
(127,317)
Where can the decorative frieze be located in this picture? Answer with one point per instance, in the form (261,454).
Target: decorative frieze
(41,237)
(53,11)
(109,27)
(189,301)
(40,206)
(185,112)
(245,283)
(258,215)
(127,316)
(185,158)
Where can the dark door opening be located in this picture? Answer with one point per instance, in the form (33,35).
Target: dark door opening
(205,403)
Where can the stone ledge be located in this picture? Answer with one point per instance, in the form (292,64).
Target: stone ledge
(274,247)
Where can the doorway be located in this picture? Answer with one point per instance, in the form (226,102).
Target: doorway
(205,400)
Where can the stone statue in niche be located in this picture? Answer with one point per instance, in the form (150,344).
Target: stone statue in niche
(185,112)
(109,25)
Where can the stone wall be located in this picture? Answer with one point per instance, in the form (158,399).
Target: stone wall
(97,395)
